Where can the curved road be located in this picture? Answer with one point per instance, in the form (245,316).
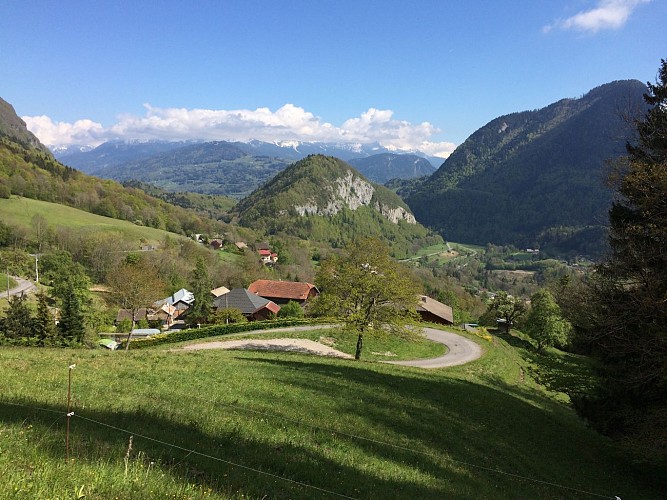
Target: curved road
(460,349)
(24,286)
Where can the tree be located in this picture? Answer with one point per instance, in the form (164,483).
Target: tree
(507,307)
(544,322)
(630,286)
(71,325)
(291,310)
(134,286)
(44,323)
(201,286)
(18,321)
(228,315)
(369,291)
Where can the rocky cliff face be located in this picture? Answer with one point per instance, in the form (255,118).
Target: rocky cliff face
(352,192)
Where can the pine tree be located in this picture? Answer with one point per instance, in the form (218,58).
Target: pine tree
(17,324)
(44,324)
(630,335)
(71,325)
(201,289)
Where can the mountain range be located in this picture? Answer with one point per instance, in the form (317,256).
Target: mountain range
(229,168)
(535,177)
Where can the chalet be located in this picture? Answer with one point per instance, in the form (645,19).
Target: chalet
(434,312)
(281,292)
(181,301)
(241,245)
(253,307)
(216,243)
(126,314)
(267,256)
(165,314)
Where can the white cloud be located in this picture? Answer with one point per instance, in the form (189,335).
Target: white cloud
(288,123)
(608,14)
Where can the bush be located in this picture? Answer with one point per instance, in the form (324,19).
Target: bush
(291,310)
(213,331)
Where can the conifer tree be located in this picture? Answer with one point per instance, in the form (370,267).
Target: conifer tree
(18,321)
(630,335)
(71,326)
(44,324)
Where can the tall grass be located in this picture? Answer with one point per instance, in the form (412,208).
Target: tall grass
(233,424)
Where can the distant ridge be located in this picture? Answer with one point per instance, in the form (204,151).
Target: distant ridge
(535,177)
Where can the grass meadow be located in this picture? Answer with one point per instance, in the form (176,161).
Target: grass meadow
(19,211)
(159,423)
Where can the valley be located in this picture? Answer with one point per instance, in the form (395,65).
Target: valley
(503,245)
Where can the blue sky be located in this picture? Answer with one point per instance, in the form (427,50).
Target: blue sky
(420,75)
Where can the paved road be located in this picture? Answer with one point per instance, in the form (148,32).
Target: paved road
(461,351)
(24,286)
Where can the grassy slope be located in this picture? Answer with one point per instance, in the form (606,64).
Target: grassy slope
(296,416)
(19,211)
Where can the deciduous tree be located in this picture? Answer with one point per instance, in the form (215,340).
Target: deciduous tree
(369,291)
(135,286)
(508,308)
(544,322)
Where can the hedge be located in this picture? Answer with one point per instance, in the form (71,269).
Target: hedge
(217,330)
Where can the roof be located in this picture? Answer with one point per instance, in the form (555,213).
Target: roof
(221,290)
(264,252)
(145,332)
(434,307)
(181,296)
(294,290)
(126,314)
(245,301)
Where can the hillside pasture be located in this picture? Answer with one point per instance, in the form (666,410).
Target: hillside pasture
(245,424)
(19,211)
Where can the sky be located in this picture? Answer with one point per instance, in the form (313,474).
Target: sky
(408,75)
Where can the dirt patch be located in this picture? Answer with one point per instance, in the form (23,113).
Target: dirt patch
(304,346)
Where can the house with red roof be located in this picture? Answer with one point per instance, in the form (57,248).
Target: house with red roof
(281,292)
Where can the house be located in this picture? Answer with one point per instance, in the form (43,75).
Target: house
(180,300)
(281,292)
(253,307)
(241,245)
(166,314)
(267,256)
(126,314)
(216,243)
(435,312)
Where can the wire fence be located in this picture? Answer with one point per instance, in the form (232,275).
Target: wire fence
(301,423)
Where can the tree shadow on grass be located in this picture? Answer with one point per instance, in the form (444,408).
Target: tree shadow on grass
(496,426)
(415,421)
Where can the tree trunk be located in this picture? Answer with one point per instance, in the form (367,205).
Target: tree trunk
(360,344)
(129,335)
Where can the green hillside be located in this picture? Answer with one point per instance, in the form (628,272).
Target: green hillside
(535,177)
(18,211)
(28,170)
(241,424)
(324,199)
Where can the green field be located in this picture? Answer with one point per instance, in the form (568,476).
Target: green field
(243,424)
(20,211)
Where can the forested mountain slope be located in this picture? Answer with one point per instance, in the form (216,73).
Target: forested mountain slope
(324,199)
(385,166)
(28,169)
(535,177)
